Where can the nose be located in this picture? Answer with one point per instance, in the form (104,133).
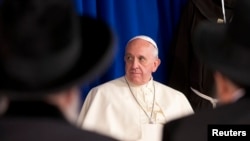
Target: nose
(135,64)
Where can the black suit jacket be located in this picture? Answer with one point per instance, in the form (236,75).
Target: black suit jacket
(194,127)
(37,121)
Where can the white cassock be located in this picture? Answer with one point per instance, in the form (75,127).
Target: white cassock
(123,111)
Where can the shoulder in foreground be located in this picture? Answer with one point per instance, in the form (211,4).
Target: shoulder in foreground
(38,130)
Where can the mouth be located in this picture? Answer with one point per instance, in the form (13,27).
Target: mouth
(133,72)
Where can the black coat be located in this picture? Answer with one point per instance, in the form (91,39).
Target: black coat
(37,121)
(185,70)
(195,127)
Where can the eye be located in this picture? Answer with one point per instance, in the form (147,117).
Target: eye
(128,58)
(141,58)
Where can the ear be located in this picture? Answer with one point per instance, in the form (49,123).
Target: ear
(225,88)
(71,95)
(157,63)
(63,98)
(70,103)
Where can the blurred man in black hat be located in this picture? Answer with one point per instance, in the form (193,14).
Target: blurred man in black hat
(226,50)
(45,49)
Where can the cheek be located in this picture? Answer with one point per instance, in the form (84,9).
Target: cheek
(151,67)
(127,66)
(147,68)
(154,68)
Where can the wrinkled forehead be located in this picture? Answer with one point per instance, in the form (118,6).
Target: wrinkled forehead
(140,48)
(139,45)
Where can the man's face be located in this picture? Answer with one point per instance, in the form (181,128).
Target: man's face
(141,61)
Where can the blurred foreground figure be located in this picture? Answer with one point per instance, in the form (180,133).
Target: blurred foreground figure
(226,50)
(135,106)
(187,73)
(44,50)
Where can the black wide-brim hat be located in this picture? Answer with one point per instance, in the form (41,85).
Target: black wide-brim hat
(46,47)
(226,47)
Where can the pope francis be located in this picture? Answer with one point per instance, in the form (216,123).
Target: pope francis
(134,107)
